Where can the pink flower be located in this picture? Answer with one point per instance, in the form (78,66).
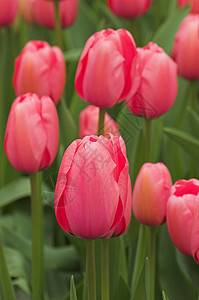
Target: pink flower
(32,133)
(8,11)
(91,194)
(88,123)
(183,216)
(40,69)
(186,47)
(129,8)
(103,73)
(194,5)
(154,82)
(150,194)
(44,12)
(27,10)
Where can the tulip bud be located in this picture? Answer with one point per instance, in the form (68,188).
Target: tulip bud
(194,5)
(32,133)
(150,194)
(186,47)
(129,8)
(44,12)
(154,82)
(88,123)
(183,218)
(26,10)
(40,69)
(103,73)
(91,192)
(8,11)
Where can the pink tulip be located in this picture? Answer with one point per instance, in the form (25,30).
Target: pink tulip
(27,10)
(129,8)
(183,218)
(88,123)
(186,47)
(40,69)
(8,11)
(32,133)
(150,194)
(103,73)
(194,5)
(154,82)
(44,12)
(92,187)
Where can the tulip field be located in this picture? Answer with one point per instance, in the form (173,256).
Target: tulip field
(99,150)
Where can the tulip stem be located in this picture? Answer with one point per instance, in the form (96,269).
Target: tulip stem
(101,121)
(152,260)
(105,269)
(58,34)
(6,284)
(194,98)
(37,237)
(90,269)
(139,259)
(148,140)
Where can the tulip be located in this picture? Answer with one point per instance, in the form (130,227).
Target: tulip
(92,187)
(88,123)
(27,10)
(150,194)
(186,47)
(44,12)
(129,8)
(32,133)
(183,218)
(103,73)
(154,82)
(8,11)
(40,69)
(194,5)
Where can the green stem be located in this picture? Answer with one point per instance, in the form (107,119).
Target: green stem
(139,259)
(58,34)
(6,284)
(152,259)
(101,121)
(90,267)
(148,140)
(37,237)
(194,96)
(105,269)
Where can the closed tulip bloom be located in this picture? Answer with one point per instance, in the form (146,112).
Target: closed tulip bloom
(8,11)
(26,10)
(182,216)
(88,123)
(92,187)
(40,69)
(32,133)
(155,84)
(194,5)
(103,73)
(44,12)
(129,8)
(150,194)
(186,47)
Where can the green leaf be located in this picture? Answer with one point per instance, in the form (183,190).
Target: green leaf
(73,295)
(189,143)
(165,35)
(72,55)
(194,121)
(164,296)
(15,190)
(122,291)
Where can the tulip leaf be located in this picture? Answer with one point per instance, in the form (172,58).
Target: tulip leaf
(194,121)
(164,296)
(188,142)
(73,295)
(61,258)
(165,35)
(123,291)
(72,55)
(15,190)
